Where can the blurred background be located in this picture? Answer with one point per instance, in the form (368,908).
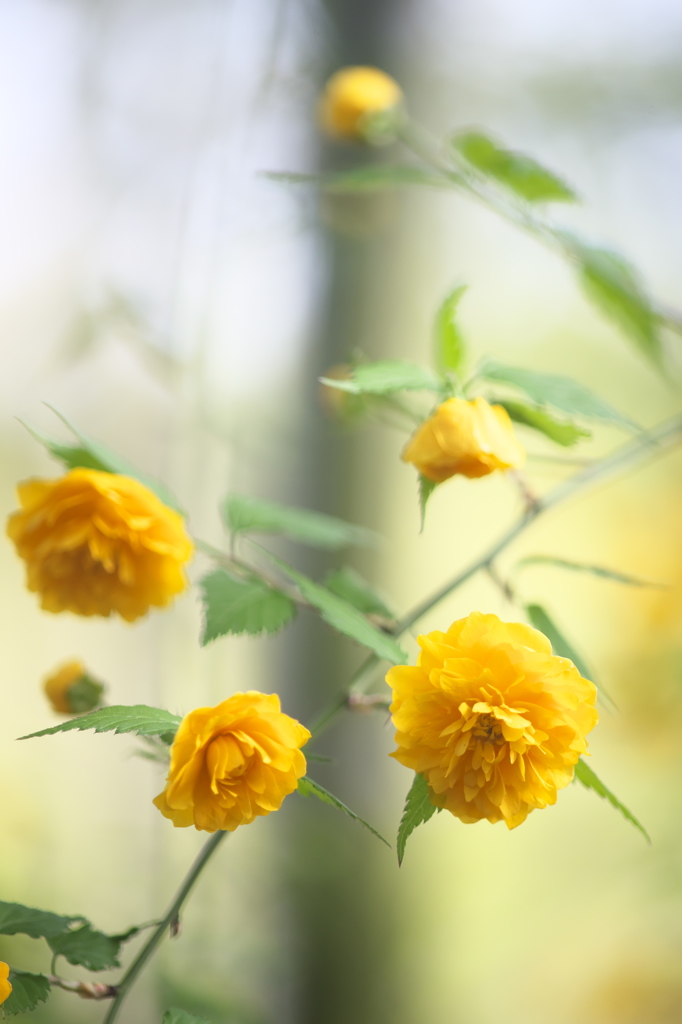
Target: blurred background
(175,303)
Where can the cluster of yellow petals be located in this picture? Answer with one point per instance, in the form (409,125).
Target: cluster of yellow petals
(232,763)
(70,690)
(468,437)
(5,983)
(491,718)
(353,94)
(96,543)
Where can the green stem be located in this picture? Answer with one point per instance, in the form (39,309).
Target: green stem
(147,950)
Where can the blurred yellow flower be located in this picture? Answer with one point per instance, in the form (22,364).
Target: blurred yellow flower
(233,762)
(71,691)
(353,94)
(491,718)
(97,543)
(5,984)
(471,438)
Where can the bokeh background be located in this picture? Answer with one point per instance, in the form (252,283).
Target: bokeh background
(168,298)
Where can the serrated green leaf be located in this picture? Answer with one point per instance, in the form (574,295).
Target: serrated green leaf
(252,515)
(561,432)
(516,171)
(307,787)
(119,718)
(386,377)
(561,392)
(585,775)
(38,924)
(349,585)
(594,570)
(374,177)
(426,489)
(27,991)
(560,645)
(175,1016)
(235,606)
(344,618)
(86,947)
(450,344)
(418,809)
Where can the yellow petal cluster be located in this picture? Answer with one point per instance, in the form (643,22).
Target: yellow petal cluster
(353,94)
(232,763)
(96,543)
(468,437)
(5,983)
(71,691)
(491,718)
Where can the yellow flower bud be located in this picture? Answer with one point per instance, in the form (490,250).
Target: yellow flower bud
(491,718)
(71,691)
(5,984)
(471,438)
(96,543)
(232,762)
(352,96)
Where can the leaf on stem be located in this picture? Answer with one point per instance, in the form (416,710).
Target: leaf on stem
(87,948)
(450,344)
(253,515)
(426,489)
(386,377)
(562,432)
(175,1016)
(520,173)
(374,177)
(119,718)
(349,585)
(594,570)
(27,991)
(37,924)
(233,605)
(585,775)
(418,809)
(560,645)
(306,787)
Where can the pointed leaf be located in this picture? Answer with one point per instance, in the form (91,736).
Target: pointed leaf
(175,1016)
(516,171)
(138,718)
(586,776)
(343,617)
(307,787)
(235,606)
(594,570)
(365,179)
(27,991)
(38,924)
(385,377)
(349,585)
(561,392)
(560,645)
(252,515)
(418,809)
(450,344)
(86,947)
(426,489)
(562,432)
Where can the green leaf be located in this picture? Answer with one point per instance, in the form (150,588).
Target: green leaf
(307,787)
(450,344)
(27,991)
(86,947)
(38,924)
(137,718)
(418,809)
(594,570)
(560,431)
(175,1016)
(252,515)
(613,285)
(586,776)
(426,489)
(560,645)
(561,392)
(233,605)
(374,177)
(343,617)
(349,585)
(516,171)
(386,377)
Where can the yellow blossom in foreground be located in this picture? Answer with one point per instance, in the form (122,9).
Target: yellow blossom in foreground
(71,691)
(96,543)
(471,438)
(353,94)
(491,718)
(233,762)
(5,983)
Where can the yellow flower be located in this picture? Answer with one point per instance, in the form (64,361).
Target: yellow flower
(352,95)
(71,691)
(5,984)
(97,543)
(491,718)
(471,438)
(233,762)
